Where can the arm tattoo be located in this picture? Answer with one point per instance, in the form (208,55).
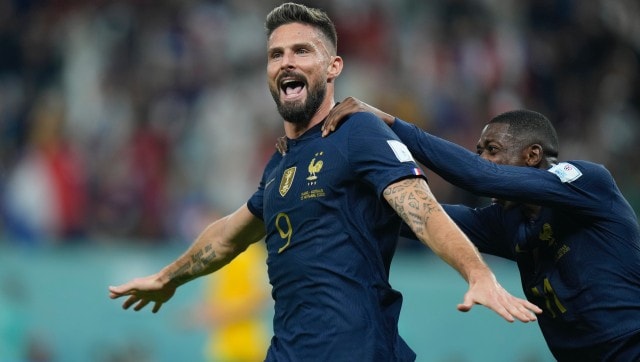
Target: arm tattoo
(200,260)
(412,201)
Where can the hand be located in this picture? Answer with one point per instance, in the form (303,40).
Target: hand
(143,291)
(349,106)
(281,145)
(488,292)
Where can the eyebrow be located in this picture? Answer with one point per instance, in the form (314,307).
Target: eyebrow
(293,46)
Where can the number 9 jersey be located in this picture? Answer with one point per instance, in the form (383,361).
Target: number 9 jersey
(330,238)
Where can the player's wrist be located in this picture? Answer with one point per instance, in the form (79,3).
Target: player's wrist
(387,118)
(170,279)
(481,274)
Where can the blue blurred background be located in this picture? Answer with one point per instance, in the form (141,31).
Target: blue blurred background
(126,126)
(54,306)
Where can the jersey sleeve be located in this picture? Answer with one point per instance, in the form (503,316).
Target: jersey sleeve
(255,203)
(585,189)
(377,154)
(480,226)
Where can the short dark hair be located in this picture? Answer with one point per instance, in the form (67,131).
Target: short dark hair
(531,127)
(288,13)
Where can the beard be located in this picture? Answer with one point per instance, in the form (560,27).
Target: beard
(301,112)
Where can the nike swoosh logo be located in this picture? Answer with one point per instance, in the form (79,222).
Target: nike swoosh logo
(269,183)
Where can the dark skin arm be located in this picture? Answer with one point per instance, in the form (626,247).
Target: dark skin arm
(348,106)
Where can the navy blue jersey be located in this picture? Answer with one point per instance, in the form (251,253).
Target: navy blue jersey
(330,240)
(579,260)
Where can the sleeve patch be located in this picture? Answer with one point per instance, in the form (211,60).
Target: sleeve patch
(566,172)
(401,151)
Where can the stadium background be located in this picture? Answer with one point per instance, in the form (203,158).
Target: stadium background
(126,125)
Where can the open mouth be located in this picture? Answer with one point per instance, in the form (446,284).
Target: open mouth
(292,88)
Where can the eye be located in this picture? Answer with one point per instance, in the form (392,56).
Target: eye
(489,149)
(274,55)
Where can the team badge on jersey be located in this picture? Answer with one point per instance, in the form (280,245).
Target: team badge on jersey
(314,167)
(287,180)
(566,172)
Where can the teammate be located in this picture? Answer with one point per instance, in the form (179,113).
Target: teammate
(575,238)
(330,210)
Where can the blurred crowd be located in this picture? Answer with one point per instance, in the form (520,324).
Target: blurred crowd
(140,121)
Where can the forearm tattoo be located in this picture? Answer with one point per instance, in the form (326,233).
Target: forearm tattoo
(200,260)
(412,202)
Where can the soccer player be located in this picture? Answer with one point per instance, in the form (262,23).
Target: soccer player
(330,212)
(232,309)
(575,238)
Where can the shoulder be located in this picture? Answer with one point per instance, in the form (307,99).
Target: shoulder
(361,121)
(276,157)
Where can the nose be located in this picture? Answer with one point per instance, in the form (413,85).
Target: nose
(287,61)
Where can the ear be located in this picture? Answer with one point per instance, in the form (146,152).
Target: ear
(533,155)
(334,69)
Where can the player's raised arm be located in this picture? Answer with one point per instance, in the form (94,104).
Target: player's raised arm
(215,247)
(413,201)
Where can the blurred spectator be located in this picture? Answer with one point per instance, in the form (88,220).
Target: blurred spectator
(114,114)
(45,193)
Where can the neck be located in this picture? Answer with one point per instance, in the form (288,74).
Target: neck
(295,130)
(548,162)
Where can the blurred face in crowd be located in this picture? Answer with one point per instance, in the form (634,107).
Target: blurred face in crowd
(298,68)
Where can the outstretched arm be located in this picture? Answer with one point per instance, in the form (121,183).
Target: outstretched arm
(413,201)
(215,247)
(453,163)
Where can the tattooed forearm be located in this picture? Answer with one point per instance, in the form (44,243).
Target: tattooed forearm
(419,209)
(181,275)
(412,202)
(191,269)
